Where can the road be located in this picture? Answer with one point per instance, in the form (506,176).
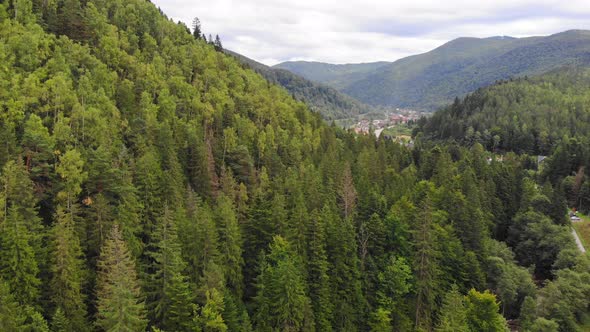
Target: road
(577,238)
(578,241)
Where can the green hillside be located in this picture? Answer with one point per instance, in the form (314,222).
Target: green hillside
(433,79)
(337,76)
(327,101)
(150,182)
(525,115)
(547,115)
(430,80)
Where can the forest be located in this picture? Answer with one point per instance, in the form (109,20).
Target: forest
(150,182)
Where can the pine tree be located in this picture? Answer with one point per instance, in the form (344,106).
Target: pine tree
(426,266)
(119,303)
(211,315)
(17,263)
(347,193)
(10,316)
(318,279)
(281,300)
(453,313)
(217,44)
(230,244)
(528,313)
(196,28)
(68,274)
(17,192)
(343,271)
(59,322)
(170,300)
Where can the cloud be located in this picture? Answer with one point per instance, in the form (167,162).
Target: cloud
(351,31)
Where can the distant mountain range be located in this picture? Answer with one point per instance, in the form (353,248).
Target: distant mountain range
(430,80)
(329,102)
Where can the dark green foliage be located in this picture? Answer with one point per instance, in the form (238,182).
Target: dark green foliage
(128,147)
(281,300)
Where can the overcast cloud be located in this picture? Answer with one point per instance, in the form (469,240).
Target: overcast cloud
(351,31)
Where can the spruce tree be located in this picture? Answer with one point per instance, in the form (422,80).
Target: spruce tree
(17,262)
(197,28)
(10,313)
(453,313)
(230,244)
(170,300)
(281,299)
(119,304)
(67,269)
(426,267)
(318,279)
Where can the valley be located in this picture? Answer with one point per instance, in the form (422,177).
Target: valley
(153,180)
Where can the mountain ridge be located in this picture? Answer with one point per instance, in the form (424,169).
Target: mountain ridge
(321,98)
(429,80)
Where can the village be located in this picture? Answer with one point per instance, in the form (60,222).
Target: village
(392,119)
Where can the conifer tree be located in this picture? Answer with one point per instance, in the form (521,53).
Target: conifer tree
(119,304)
(17,263)
(217,44)
(318,279)
(344,270)
(281,300)
(197,28)
(211,315)
(22,234)
(426,263)
(170,300)
(453,313)
(230,244)
(10,316)
(68,273)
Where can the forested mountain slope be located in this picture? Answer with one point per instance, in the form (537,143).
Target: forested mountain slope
(149,182)
(430,80)
(547,115)
(327,101)
(338,76)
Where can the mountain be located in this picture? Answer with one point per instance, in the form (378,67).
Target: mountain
(524,115)
(150,182)
(428,81)
(338,76)
(329,102)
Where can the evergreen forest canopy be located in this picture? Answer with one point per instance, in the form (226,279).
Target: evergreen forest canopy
(547,115)
(327,101)
(149,182)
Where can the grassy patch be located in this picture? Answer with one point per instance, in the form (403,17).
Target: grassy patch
(398,130)
(583,229)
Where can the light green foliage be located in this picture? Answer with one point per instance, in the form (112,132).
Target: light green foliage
(453,313)
(544,325)
(483,312)
(120,307)
(242,210)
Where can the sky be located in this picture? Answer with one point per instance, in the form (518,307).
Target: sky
(354,31)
